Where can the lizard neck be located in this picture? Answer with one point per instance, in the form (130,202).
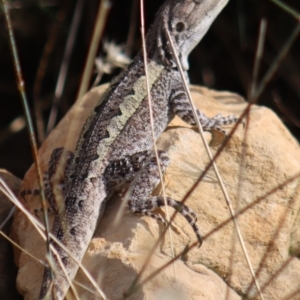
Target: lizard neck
(157,43)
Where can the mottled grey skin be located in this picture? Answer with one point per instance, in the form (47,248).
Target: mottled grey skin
(116,141)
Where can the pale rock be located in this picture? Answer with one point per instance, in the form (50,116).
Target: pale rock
(258,178)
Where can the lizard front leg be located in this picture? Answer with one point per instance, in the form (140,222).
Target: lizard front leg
(181,107)
(54,163)
(141,202)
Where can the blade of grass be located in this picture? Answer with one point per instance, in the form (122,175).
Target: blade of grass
(257,63)
(65,64)
(41,71)
(276,63)
(152,127)
(219,178)
(210,233)
(40,228)
(287,9)
(258,57)
(21,88)
(132,27)
(134,286)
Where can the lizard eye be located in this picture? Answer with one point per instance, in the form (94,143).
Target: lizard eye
(180,27)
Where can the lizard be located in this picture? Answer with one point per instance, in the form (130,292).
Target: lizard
(115,147)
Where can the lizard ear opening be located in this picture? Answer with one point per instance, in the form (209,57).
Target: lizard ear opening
(180,26)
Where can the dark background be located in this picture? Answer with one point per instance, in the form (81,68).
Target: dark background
(223,60)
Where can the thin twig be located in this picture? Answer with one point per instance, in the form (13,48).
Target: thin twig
(104,7)
(217,228)
(152,127)
(40,228)
(276,63)
(20,248)
(33,143)
(224,190)
(257,63)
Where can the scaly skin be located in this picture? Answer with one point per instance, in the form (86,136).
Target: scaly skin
(116,141)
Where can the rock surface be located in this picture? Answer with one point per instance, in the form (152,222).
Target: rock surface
(260,166)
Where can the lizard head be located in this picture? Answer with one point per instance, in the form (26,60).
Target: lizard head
(187,22)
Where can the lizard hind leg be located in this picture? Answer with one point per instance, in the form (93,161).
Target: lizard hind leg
(142,203)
